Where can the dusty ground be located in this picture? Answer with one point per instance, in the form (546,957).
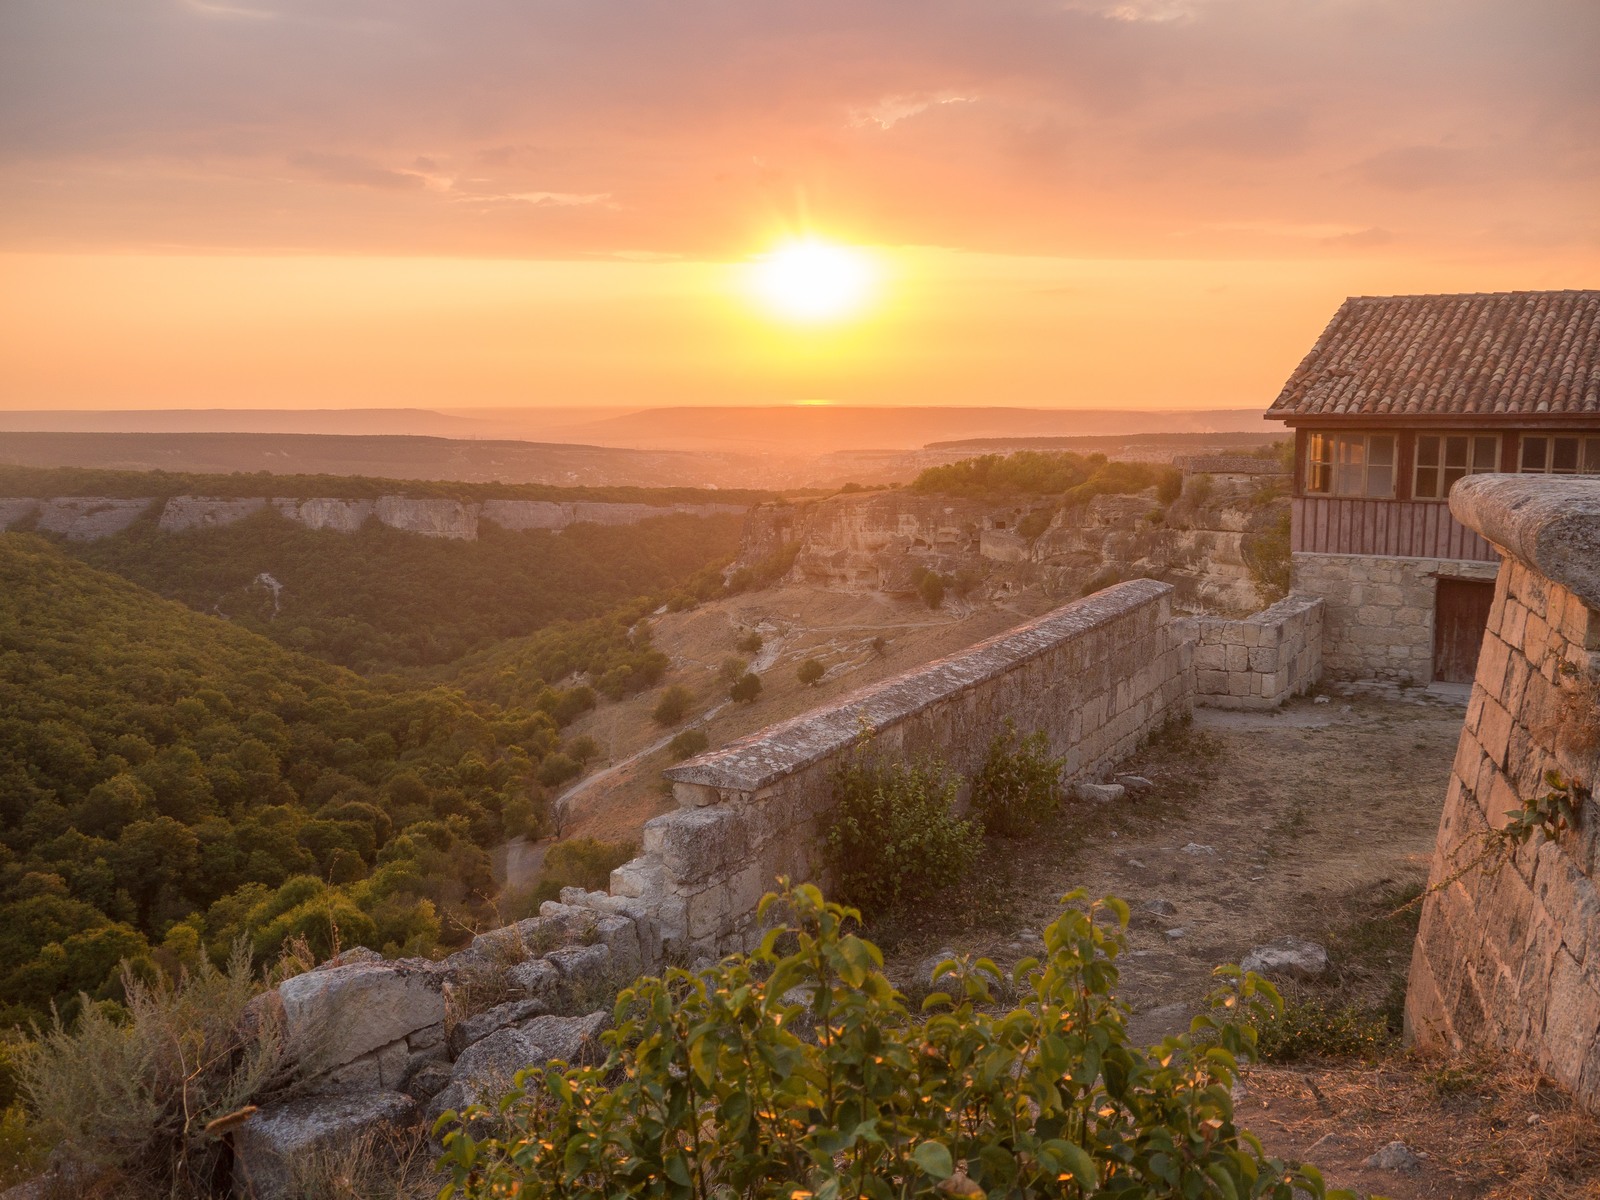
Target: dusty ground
(795,623)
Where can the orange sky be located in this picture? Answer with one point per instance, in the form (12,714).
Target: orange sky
(314,203)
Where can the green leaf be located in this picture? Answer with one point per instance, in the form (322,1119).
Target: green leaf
(934,1158)
(1078,1161)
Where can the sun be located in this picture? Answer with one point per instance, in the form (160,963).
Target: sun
(813,281)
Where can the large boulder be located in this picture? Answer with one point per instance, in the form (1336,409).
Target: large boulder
(1291,956)
(276,1147)
(480,1026)
(335,1016)
(487,1068)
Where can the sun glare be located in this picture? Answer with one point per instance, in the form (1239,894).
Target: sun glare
(812,280)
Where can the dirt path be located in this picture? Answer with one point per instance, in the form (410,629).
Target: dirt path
(1257,825)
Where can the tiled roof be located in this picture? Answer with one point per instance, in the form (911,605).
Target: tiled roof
(1487,354)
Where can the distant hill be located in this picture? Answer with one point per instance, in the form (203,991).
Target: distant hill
(386,456)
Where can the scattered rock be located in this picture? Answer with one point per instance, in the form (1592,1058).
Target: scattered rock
(1161,907)
(273,1142)
(1098,793)
(1134,862)
(1328,1143)
(475,1029)
(1396,1156)
(929,965)
(1174,934)
(487,1068)
(1287,956)
(1137,784)
(1196,849)
(1322,700)
(536,979)
(426,1081)
(586,972)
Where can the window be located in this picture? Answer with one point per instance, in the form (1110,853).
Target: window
(1350,464)
(1443,458)
(1560,454)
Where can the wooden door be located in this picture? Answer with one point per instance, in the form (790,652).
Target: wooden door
(1461,613)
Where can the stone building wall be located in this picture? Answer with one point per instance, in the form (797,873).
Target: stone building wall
(1096,676)
(1511,957)
(1260,661)
(1380,610)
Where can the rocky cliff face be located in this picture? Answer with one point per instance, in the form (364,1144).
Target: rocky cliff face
(878,541)
(85,518)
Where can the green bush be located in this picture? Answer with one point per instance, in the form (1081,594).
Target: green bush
(687,744)
(810,672)
(581,862)
(930,586)
(673,706)
(558,768)
(749,643)
(895,838)
(1313,1028)
(746,688)
(718,1083)
(1019,784)
(1266,553)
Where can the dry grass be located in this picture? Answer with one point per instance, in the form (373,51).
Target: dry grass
(385,1164)
(1488,1129)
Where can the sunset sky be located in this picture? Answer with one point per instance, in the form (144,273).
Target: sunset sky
(1149,203)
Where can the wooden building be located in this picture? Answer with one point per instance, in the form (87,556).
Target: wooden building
(1400,397)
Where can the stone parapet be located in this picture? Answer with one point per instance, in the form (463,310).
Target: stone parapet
(1262,660)
(1510,956)
(1548,523)
(1096,676)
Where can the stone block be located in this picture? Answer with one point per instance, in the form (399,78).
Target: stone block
(349,1011)
(1238,658)
(693,844)
(1264,659)
(279,1141)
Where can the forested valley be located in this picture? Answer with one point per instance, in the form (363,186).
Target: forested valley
(269,733)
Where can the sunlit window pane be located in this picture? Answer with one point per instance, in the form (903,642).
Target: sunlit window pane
(1485,455)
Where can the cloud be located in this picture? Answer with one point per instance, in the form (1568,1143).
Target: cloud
(355,172)
(1068,127)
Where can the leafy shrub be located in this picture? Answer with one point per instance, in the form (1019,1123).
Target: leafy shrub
(895,837)
(1101,580)
(132,1098)
(1169,487)
(880,645)
(1019,784)
(1266,553)
(716,1083)
(732,670)
(930,586)
(810,672)
(1034,523)
(749,643)
(673,706)
(746,688)
(1313,1028)
(687,744)
(581,862)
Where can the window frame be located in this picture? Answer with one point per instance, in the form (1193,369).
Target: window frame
(1588,457)
(1440,467)
(1330,468)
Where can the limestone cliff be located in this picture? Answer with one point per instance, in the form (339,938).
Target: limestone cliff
(878,541)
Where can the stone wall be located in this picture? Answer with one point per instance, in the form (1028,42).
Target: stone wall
(89,518)
(1511,957)
(1096,676)
(1379,618)
(1260,661)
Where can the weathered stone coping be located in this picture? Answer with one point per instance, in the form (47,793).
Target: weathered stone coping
(1548,523)
(762,758)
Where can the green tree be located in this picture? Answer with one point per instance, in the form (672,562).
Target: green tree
(673,705)
(810,672)
(746,688)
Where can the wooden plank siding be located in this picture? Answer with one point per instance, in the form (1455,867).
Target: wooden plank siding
(1393,528)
